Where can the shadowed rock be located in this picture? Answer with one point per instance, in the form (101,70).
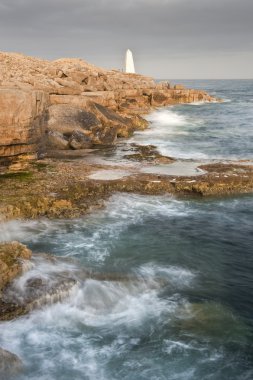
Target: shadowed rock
(80,140)
(66,119)
(148,153)
(57,140)
(10,365)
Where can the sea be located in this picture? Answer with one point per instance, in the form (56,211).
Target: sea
(180,306)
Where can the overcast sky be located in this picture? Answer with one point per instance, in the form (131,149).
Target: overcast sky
(169,38)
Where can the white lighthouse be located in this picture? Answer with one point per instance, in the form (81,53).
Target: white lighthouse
(129,62)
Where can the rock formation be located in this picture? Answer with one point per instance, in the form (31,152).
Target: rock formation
(10,365)
(12,256)
(70,104)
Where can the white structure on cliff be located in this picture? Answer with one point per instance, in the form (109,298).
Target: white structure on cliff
(129,62)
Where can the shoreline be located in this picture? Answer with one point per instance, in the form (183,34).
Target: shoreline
(69,188)
(71,183)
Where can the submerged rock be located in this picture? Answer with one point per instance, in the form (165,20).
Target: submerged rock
(148,153)
(36,293)
(211,321)
(10,365)
(51,279)
(22,288)
(48,280)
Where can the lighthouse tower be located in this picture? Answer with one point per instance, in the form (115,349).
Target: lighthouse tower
(129,62)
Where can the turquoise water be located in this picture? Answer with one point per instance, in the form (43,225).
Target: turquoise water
(184,309)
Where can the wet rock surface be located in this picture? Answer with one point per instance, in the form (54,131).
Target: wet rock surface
(50,279)
(147,153)
(12,256)
(62,188)
(10,365)
(46,280)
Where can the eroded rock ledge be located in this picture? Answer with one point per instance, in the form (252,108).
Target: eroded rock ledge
(68,188)
(70,104)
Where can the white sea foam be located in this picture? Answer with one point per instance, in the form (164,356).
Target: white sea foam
(28,230)
(94,236)
(116,304)
(199,103)
(226,100)
(122,211)
(176,276)
(171,346)
(167,117)
(127,324)
(63,333)
(165,131)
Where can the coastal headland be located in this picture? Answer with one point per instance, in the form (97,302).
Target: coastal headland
(56,117)
(55,114)
(70,104)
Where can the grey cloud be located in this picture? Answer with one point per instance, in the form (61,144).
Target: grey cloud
(158,31)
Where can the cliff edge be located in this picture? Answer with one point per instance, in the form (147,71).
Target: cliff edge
(71,104)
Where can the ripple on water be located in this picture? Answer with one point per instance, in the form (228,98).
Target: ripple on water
(171,316)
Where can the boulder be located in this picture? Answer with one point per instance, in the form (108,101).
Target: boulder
(67,83)
(67,119)
(122,125)
(12,256)
(80,140)
(104,136)
(78,76)
(57,140)
(92,123)
(10,364)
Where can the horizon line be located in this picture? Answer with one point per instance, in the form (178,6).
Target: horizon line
(204,78)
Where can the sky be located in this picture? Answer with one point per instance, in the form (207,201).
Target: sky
(169,38)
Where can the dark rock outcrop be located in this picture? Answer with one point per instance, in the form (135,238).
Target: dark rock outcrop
(148,153)
(56,140)
(22,289)
(80,140)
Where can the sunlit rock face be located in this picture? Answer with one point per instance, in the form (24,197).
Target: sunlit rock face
(12,256)
(22,116)
(129,62)
(33,91)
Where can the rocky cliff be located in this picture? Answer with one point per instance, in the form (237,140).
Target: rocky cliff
(70,104)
